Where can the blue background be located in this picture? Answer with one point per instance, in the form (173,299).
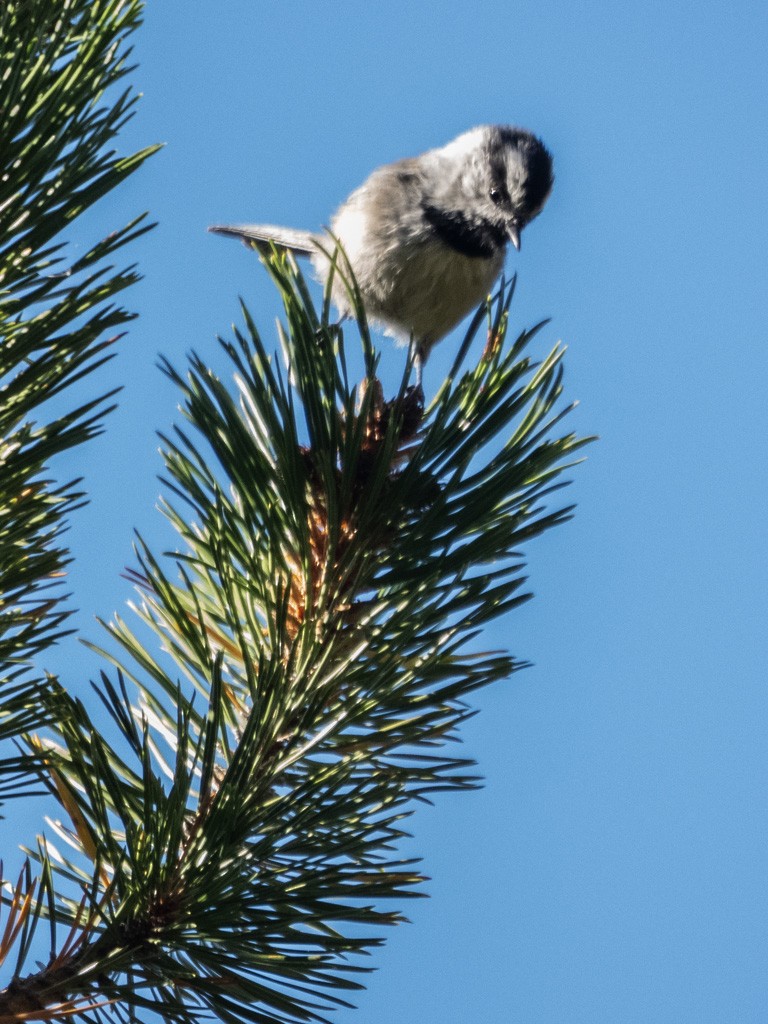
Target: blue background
(614,867)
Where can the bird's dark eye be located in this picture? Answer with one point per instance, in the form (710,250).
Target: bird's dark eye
(496,195)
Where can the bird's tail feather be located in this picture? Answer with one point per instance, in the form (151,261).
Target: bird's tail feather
(298,241)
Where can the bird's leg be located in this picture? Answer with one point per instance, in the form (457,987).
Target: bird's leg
(419,359)
(418,364)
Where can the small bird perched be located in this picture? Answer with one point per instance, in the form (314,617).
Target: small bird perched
(426,236)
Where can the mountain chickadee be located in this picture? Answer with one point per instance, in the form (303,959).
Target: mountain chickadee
(426,236)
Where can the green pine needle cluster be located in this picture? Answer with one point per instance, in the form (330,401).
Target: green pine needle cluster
(296,674)
(62,103)
(340,552)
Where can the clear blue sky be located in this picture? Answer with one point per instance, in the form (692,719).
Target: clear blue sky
(613,870)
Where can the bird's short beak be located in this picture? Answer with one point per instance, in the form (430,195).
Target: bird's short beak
(514,234)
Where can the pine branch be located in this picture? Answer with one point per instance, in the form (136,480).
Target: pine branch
(61,105)
(232,851)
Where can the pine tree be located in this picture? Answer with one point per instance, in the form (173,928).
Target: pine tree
(233,846)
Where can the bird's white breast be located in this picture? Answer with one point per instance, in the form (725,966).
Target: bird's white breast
(440,288)
(410,284)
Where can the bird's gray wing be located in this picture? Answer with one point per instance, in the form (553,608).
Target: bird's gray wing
(298,241)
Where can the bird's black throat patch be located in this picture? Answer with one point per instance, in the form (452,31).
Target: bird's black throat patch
(477,238)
